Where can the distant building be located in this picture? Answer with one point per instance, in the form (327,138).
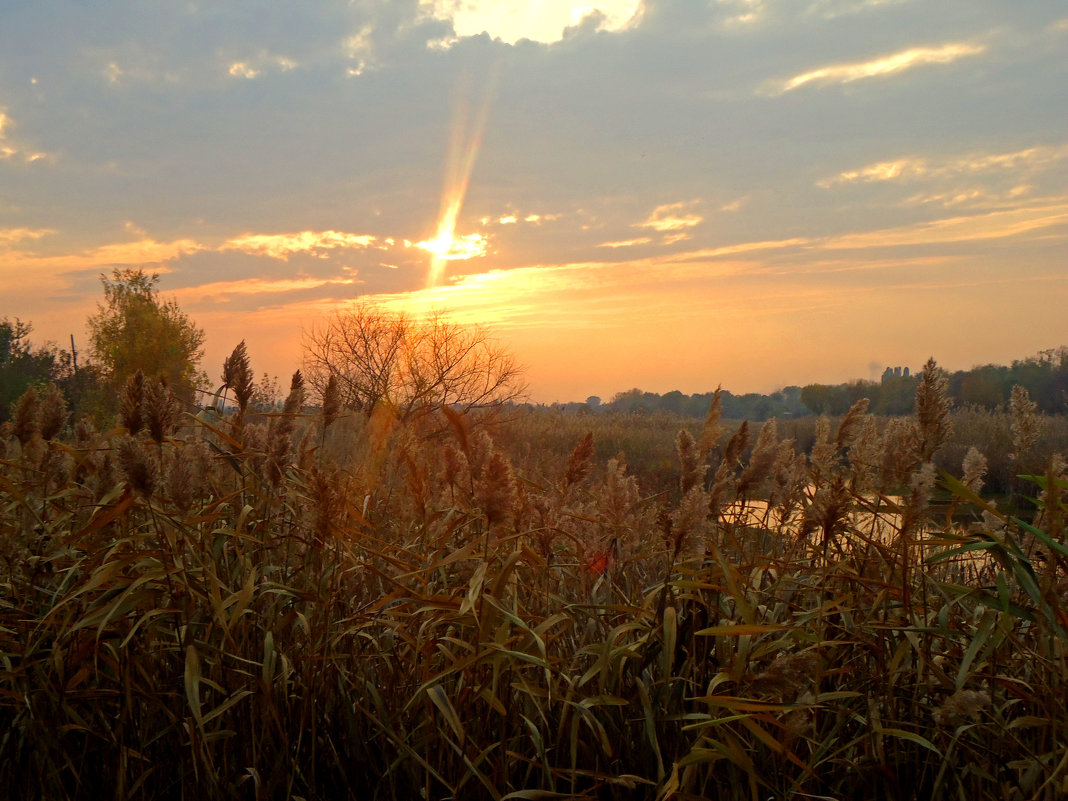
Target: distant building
(894,372)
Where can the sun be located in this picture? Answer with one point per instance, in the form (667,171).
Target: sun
(448,247)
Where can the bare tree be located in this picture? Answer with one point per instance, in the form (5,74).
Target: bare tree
(377,357)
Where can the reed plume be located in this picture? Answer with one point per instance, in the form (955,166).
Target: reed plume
(762,461)
(1026,426)
(131,403)
(932,410)
(161,410)
(27,417)
(53,414)
(237,375)
(691,468)
(974,468)
(139,466)
(331,401)
(580,462)
(712,430)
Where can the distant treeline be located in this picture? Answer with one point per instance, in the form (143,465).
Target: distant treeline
(1044,376)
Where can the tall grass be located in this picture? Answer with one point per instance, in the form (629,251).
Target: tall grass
(300,606)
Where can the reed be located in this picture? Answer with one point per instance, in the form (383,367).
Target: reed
(310,606)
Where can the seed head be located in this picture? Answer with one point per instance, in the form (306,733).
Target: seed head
(131,403)
(53,412)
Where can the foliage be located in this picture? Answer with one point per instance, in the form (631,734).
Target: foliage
(385,360)
(750,406)
(134,329)
(290,607)
(21,366)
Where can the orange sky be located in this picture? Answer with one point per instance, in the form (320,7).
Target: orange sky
(753,194)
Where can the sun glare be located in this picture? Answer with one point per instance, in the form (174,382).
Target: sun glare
(469,122)
(447,247)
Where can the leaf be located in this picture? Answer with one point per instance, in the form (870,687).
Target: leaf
(740,629)
(911,737)
(448,711)
(192,683)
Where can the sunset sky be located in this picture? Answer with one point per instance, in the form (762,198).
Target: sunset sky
(664,194)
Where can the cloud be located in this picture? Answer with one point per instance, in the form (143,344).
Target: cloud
(743,247)
(9,149)
(282,246)
(830,9)
(142,252)
(971,228)
(33,277)
(223,290)
(253,68)
(456,248)
(626,243)
(239,69)
(916,168)
(671,217)
(9,236)
(512,20)
(885,65)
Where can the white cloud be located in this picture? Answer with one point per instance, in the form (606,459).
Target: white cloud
(222,290)
(9,149)
(672,217)
(913,168)
(255,67)
(626,243)
(512,20)
(239,69)
(884,65)
(829,9)
(9,236)
(969,228)
(282,246)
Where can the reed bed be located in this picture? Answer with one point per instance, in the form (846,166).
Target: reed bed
(321,606)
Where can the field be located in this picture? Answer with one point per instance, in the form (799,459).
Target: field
(309,604)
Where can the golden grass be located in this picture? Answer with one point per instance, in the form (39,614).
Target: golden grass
(352,608)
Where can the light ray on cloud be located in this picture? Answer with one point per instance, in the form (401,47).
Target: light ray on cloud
(469,124)
(671,217)
(9,149)
(911,168)
(282,246)
(12,235)
(122,254)
(885,65)
(626,243)
(970,228)
(222,290)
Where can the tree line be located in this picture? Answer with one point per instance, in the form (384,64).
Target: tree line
(1044,376)
(371,359)
(381,359)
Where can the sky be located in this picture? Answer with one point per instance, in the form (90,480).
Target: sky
(663,194)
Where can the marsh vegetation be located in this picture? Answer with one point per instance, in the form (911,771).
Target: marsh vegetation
(315,602)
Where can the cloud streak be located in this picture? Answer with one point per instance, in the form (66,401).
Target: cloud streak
(282,246)
(916,168)
(878,67)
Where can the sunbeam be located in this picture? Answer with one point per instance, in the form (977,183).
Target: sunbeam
(469,124)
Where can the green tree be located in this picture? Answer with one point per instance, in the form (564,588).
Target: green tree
(20,365)
(134,329)
(824,399)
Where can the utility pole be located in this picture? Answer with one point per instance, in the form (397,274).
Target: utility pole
(73,355)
